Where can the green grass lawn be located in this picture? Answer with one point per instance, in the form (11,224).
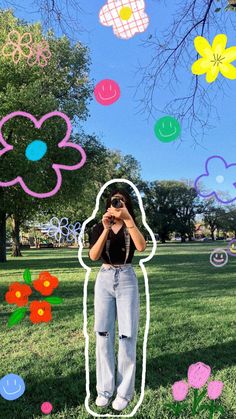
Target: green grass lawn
(193,318)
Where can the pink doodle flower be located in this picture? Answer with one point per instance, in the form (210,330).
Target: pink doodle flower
(214,389)
(180,390)
(198,374)
(62,146)
(127,17)
(17,45)
(40,54)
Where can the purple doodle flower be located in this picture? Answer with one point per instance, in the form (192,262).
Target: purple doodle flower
(219,180)
(36,151)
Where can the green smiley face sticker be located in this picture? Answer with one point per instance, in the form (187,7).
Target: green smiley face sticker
(167,129)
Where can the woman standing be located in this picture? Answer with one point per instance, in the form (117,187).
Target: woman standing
(114,241)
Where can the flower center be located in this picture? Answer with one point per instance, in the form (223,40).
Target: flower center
(18,294)
(40,312)
(217,59)
(125,13)
(220,179)
(36,150)
(46,283)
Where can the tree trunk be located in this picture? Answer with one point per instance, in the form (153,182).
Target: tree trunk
(3,253)
(162,238)
(183,239)
(16,236)
(212,234)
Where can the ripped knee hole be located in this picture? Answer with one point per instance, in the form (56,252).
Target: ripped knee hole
(106,334)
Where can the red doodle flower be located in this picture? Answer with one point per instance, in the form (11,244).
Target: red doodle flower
(18,294)
(40,311)
(46,283)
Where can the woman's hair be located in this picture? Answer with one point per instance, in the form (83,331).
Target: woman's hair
(128,201)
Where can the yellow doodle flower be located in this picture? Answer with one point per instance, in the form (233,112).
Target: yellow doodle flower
(216,58)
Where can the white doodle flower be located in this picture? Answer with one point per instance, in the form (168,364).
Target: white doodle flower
(73,232)
(127,17)
(56,228)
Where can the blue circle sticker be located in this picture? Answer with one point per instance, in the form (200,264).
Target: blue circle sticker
(36,150)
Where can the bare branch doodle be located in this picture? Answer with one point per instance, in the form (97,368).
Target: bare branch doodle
(56,14)
(193,105)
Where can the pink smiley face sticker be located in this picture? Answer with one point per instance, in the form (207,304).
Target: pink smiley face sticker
(107,92)
(46,408)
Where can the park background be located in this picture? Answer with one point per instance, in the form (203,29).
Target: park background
(192,302)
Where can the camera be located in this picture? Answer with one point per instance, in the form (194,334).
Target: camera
(117,203)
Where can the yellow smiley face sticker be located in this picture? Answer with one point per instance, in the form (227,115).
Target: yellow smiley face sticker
(232,247)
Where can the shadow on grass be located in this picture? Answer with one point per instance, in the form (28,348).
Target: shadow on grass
(168,368)
(69,391)
(44,260)
(65,391)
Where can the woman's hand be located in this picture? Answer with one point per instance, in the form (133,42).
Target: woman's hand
(106,220)
(121,213)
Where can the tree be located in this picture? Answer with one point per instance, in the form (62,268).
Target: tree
(114,165)
(159,207)
(171,207)
(228,220)
(191,103)
(213,217)
(188,206)
(63,84)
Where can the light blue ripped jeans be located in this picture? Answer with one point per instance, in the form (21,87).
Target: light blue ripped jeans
(116,296)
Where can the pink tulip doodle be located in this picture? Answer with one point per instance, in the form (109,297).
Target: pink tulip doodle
(17,45)
(180,390)
(214,389)
(63,144)
(198,375)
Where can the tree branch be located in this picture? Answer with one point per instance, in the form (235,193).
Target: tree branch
(174,52)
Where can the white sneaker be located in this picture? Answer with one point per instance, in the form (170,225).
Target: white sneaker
(102,401)
(119,403)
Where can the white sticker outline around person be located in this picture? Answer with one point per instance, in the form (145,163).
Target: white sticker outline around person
(88,271)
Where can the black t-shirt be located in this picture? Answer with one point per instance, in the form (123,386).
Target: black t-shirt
(117,248)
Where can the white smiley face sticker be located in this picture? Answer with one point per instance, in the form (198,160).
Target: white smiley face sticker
(219,258)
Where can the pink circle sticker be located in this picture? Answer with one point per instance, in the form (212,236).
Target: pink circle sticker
(46,408)
(107,92)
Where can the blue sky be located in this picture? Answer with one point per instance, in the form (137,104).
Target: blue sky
(121,127)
